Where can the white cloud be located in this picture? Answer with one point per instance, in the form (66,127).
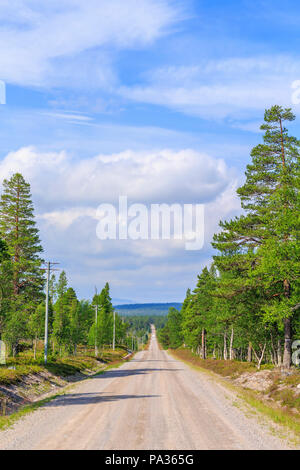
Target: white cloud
(66,194)
(62,219)
(68,116)
(54,43)
(234,87)
(60,180)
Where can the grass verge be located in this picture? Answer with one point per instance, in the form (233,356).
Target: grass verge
(16,369)
(232,369)
(114,362)
(284,416)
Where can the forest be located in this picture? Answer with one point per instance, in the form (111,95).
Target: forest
(146,309)
(246,304)
(72,322)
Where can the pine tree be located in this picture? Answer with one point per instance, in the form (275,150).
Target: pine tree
(5,283)
(121,329)
(86,315)
(278,265)
(174,328)
(18,230)
(104,327)
(268,198)
(62,284)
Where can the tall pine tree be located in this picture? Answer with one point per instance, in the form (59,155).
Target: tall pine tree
(268,228)
(18,230)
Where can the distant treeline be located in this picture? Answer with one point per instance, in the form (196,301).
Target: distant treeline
(151,309)
(144,322)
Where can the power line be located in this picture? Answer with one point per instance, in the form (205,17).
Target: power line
(114,332)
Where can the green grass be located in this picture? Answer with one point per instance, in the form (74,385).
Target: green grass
(24,364)
(281,416)
(284,390)
(11,376)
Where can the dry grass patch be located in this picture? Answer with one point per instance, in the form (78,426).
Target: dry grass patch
(230,369)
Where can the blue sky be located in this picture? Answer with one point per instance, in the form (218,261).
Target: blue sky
(96,90)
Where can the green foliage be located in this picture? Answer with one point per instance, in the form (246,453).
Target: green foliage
(22,301)
(15,329)
(102,333)
(18,230)
(61,286)
(21,277)
(171,335)
(247,304)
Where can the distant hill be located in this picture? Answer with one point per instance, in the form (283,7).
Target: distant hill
(117,301)
(146,309)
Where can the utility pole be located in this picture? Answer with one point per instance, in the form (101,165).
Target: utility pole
(47,313)
(96,324)
(48,269)
(114,332)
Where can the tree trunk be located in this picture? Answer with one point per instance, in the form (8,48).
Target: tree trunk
(273,353)
(203,352)
(287,352)
(259,359)
(279,353)
(249,354)
(231,355)
(34,348)
(225,346)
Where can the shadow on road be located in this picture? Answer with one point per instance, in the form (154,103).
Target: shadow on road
(127,372)
(91,398)
(154,360)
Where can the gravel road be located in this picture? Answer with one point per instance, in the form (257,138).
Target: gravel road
(151,402)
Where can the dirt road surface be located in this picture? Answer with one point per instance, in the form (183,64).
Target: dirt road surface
(151,402)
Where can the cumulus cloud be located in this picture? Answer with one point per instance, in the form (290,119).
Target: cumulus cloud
(149,177)
(67,192)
